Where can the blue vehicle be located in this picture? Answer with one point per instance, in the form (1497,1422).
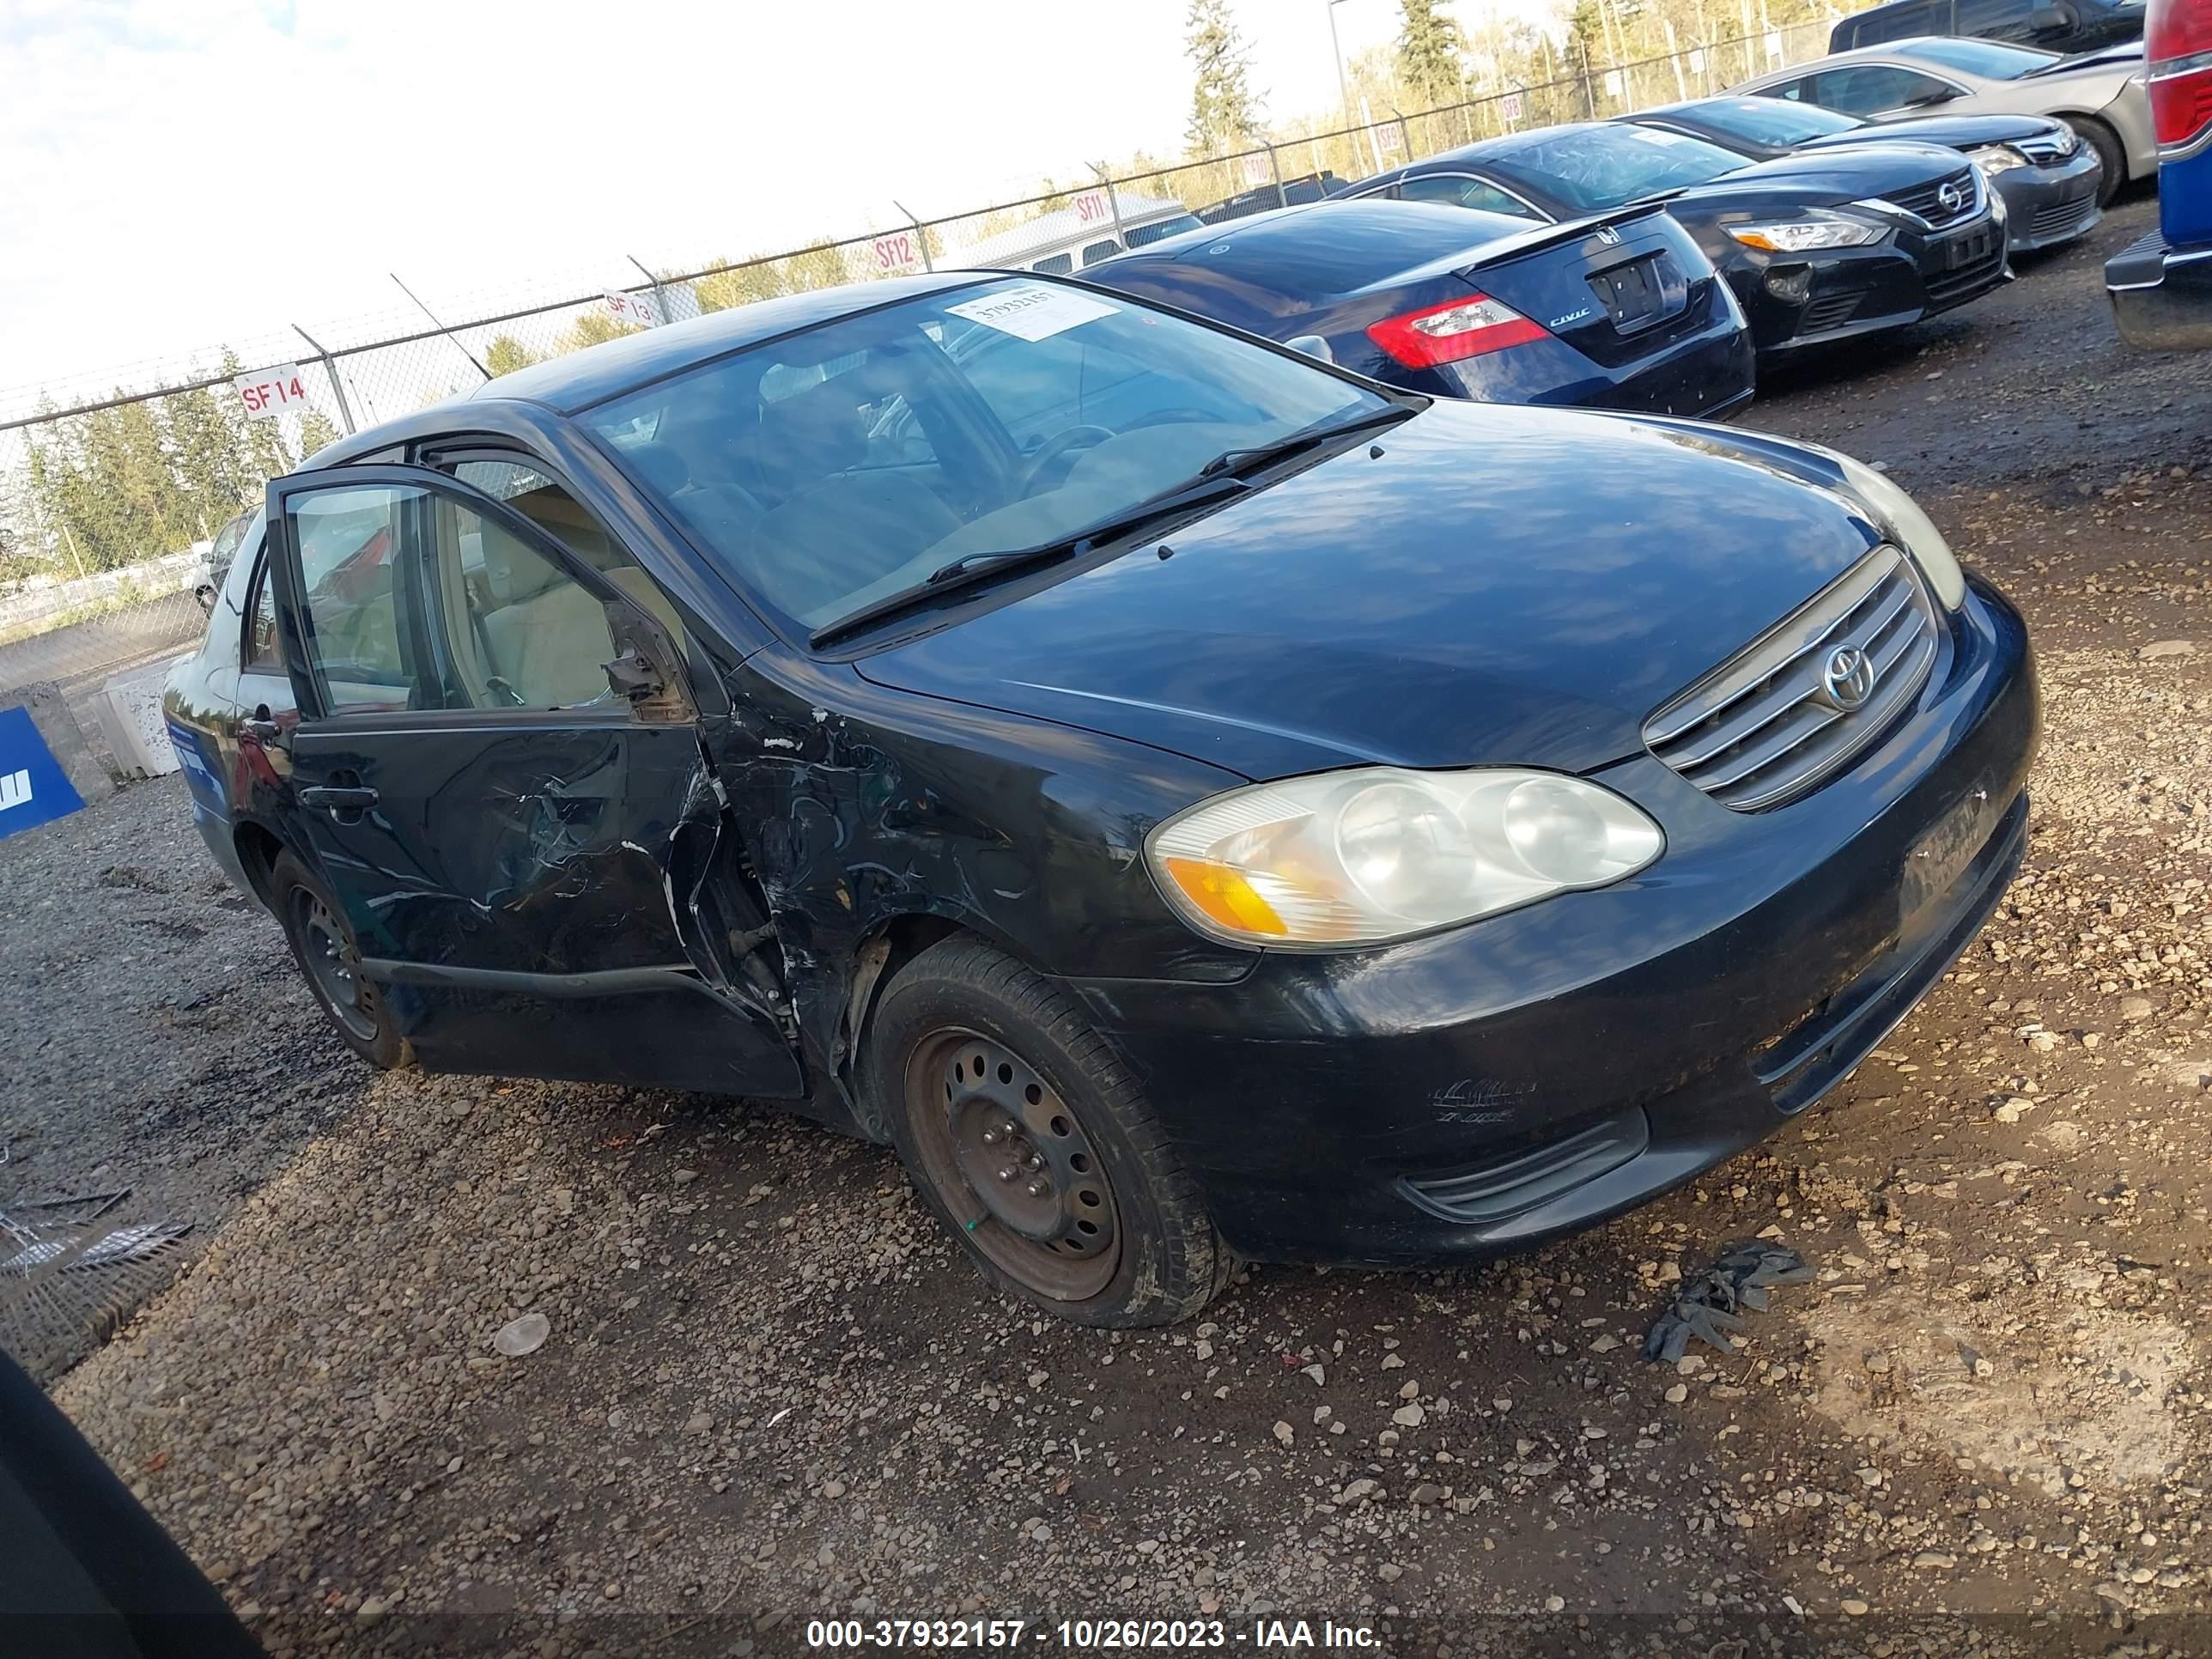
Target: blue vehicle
(1615,310)
(2162,287)
(1193,803)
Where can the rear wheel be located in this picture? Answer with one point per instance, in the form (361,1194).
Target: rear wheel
(2106,143)
(1022,1130)
(330,960)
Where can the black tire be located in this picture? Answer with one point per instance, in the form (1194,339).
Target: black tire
(2114,160)
(323,946)
(959,1000)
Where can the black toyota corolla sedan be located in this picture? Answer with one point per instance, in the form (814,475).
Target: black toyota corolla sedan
(1253,814)
(1819,247)
(2049,179)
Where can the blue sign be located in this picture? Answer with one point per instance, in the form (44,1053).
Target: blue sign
(34,788)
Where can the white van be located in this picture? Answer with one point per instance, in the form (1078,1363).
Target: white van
(1067,239)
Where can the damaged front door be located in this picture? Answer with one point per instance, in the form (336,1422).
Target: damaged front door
(498,769)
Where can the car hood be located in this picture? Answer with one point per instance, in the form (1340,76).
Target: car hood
(1820,178)
(1957,132)
(1500,585)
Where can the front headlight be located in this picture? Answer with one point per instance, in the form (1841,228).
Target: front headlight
(1898,514)
(1354,858)
(1994,159)
(1814,229)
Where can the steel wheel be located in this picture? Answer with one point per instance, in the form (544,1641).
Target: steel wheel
(333,965)
(1011,1161)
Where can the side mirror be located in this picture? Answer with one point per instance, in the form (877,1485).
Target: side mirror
(203,595)
(1312,345)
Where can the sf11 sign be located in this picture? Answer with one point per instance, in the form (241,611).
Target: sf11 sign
(898,254)
(1092,208)
(269,393)
(635,309)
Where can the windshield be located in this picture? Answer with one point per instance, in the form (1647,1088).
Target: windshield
(1596,167)
(835,467)
(1987,58)
(1770,121)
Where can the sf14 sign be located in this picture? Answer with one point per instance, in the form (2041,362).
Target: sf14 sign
(269,393)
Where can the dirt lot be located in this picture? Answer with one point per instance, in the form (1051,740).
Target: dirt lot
(771,1393)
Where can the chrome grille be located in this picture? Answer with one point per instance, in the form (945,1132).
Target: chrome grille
(2054,149)
(1767,726)
(1926,203)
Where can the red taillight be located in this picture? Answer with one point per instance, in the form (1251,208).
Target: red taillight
(2177,54)
(1455,331)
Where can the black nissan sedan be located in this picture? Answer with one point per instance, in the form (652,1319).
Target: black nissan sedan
(1254,815)
(2049,179)
(1819,247)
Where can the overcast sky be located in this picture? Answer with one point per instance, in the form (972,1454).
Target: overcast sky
(179,174)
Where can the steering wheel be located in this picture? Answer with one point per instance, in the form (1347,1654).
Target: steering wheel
(1182,415)
(1052,449)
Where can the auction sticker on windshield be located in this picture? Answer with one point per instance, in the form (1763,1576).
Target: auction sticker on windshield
(1033,313)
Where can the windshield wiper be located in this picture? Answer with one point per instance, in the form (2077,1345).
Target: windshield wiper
(1258,455)
(972,569)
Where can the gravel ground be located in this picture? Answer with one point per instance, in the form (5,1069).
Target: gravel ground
(771,1393)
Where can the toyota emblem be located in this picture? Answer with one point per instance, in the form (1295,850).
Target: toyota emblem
(1952,195)
(1849,677)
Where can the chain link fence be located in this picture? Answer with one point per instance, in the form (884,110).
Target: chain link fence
(136,481)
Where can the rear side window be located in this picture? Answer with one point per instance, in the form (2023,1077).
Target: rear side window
(1999,20)
(1870,89)
(1059,265)
(1098,251)
(1456,189)
(261,651)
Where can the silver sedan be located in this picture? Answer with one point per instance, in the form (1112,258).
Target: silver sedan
(2100,95)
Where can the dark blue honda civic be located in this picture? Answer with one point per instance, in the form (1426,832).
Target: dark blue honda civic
(1192,802)
(1615,310)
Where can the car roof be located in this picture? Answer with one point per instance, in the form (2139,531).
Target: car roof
(1483,149)
(1333,246)
(1888,49)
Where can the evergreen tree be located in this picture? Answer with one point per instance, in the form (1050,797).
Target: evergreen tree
(316,432)
(1224,112)
(506,353)
(1430,54)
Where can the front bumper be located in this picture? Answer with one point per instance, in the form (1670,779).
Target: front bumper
(2045,206)
(2161,296)
(1795,301)
(1492,1085)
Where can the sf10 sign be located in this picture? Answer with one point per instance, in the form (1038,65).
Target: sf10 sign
(635,309)
(269,393)
(898,254)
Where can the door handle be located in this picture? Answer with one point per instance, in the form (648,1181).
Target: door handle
(335,798)
(264,731)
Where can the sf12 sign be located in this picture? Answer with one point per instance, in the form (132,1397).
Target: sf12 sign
(269,393)
(898,254)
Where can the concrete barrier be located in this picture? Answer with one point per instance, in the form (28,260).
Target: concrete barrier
(130,710)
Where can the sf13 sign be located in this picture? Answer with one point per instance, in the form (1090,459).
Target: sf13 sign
(269,393)
(635,309)
(898,254)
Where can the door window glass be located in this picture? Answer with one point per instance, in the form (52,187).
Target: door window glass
(416,600)
(349,545)
(1870,89)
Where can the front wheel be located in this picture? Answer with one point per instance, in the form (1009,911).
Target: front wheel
(330,960)
(2114,160)
(1026,1136)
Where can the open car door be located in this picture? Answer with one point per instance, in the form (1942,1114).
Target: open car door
(498,775)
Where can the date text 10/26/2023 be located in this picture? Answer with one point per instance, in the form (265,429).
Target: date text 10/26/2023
(1085,1635)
